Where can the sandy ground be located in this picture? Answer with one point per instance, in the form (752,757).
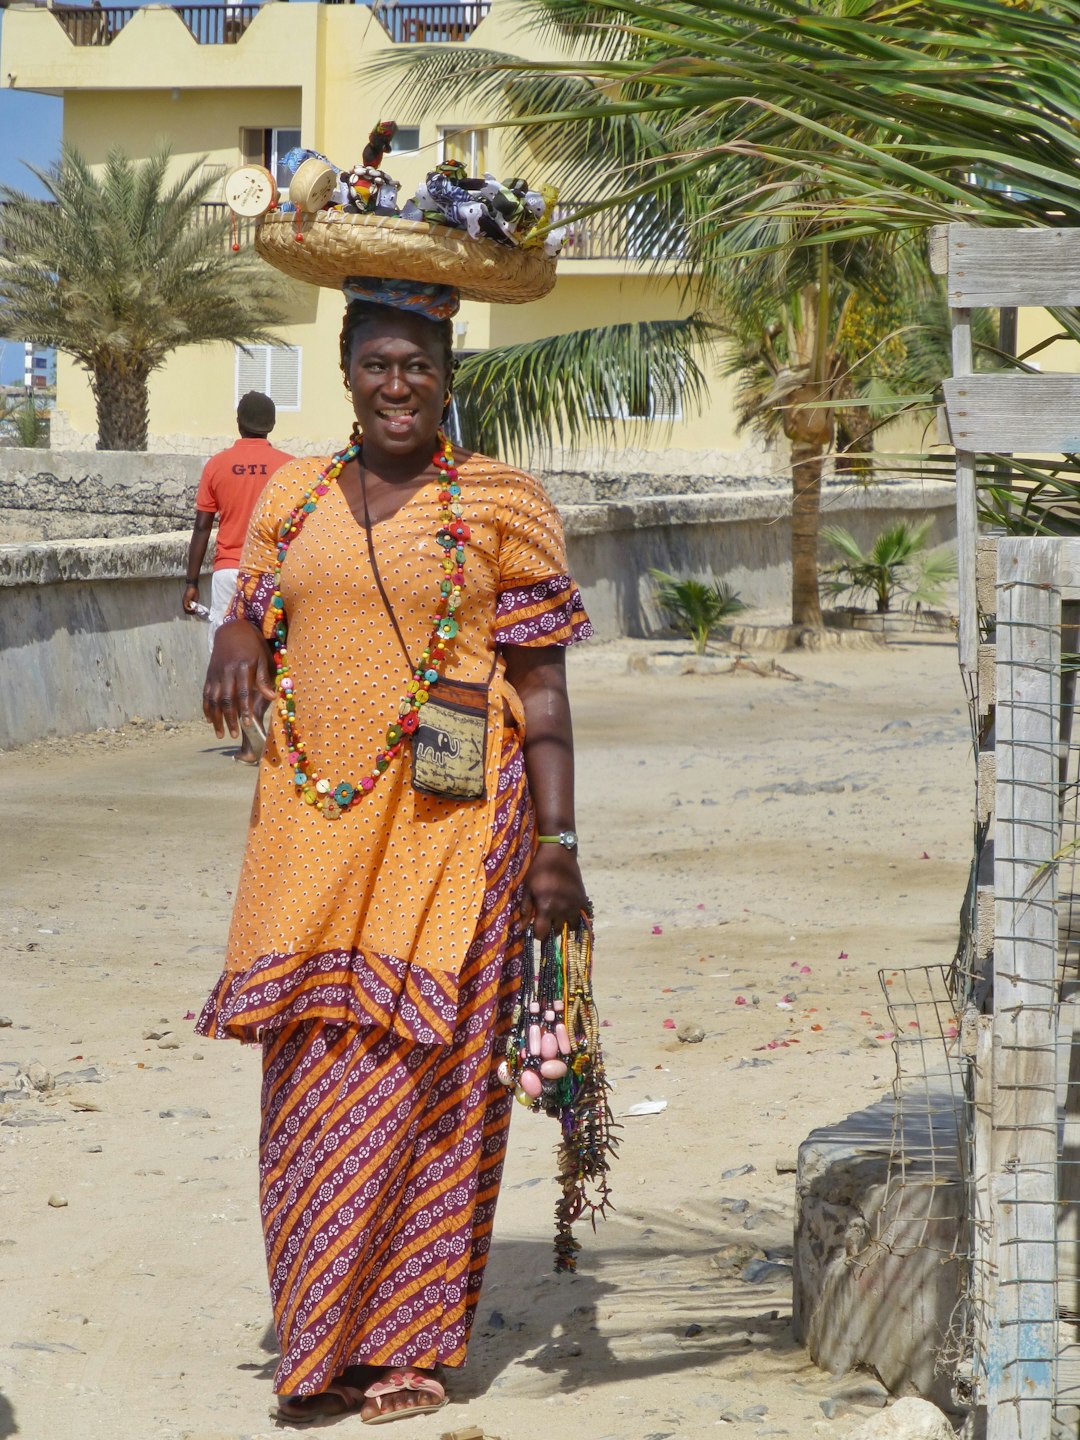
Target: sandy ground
(744,838)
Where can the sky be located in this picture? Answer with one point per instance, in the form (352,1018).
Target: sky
(29,132)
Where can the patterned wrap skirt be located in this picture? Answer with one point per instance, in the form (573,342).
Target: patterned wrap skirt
(380,1158)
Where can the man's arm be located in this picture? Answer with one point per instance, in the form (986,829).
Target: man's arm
(200,538)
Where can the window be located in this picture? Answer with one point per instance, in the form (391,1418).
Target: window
(273,369)
(651,403)
(407,140)
(459,142)
(269,148)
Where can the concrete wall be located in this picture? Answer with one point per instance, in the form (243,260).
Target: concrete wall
(91,632)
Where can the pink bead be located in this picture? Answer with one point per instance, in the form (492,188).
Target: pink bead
(534,1040)
(367,783)
(562,1038)
(553,1069)
(549,1046)
(531,1084)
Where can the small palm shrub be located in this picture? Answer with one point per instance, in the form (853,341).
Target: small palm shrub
(695,608)
(896,564)
(23,423)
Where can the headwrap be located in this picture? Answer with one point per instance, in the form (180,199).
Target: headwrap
(434,302)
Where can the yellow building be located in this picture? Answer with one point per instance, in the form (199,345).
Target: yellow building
(240,82)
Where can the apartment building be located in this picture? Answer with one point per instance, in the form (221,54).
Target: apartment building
(241,82)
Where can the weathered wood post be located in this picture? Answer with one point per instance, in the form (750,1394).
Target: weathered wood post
(1021,1321)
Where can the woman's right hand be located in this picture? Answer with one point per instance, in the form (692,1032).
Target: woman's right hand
(238,674)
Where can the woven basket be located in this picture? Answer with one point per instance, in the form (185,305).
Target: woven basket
(337,245)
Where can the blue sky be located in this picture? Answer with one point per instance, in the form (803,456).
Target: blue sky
(30,129)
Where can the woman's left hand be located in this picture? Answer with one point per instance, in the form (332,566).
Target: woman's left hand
(554,890)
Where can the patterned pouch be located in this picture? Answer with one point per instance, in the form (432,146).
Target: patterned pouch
(449,746)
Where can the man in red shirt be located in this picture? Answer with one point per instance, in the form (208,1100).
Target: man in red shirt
(231,483)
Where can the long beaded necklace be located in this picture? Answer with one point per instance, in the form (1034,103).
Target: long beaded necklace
(329,796)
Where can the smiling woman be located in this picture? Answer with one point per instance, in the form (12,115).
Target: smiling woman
(376,941)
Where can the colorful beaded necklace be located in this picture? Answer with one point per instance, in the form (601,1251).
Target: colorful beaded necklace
(329,796)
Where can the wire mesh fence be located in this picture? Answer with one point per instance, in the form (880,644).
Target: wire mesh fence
(984,1174)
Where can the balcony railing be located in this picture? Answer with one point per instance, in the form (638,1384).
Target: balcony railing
(242,231)
(610,235)
(425,24)
(209,24)
(623,234)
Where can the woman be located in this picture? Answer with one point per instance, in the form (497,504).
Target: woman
(377,932)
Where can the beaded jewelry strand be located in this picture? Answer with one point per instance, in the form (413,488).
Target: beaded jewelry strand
(329,796)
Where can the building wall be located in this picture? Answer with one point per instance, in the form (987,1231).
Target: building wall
(153,85)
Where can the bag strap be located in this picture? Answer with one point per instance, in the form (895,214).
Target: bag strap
(375,568)
(378,579)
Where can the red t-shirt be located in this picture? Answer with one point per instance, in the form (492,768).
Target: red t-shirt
(232,481)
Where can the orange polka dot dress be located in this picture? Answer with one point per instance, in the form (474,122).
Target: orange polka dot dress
(366,919)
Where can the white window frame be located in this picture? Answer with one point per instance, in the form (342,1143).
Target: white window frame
(252,354)
(457,135)
(275,152)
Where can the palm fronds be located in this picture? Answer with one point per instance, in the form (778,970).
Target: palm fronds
(866,117)
(582,385)
(897,563)
(695,608)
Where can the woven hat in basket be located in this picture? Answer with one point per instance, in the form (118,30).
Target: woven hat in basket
(328,247)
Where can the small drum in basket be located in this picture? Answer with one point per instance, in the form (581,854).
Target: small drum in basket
(313,185)
(250,191)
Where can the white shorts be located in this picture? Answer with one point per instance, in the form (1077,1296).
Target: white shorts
(222,589)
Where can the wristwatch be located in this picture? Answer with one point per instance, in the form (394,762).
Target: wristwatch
(566,838)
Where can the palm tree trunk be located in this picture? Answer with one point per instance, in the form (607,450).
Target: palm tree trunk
(807,459)
(123,403)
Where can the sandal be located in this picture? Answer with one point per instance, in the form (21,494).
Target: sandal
(311,1408)
(396,1382)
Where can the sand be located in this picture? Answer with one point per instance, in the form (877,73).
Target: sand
(765,839)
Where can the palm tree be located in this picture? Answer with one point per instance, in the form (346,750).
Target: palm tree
(118,269)
(838,121)
(897,563)
(821,339)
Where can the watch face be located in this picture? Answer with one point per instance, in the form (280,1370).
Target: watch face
(569,839)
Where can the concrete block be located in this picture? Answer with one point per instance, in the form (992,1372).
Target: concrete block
(908,1419)
(880,1206)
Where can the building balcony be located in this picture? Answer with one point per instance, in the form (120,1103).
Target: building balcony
(225,24)
(609,238)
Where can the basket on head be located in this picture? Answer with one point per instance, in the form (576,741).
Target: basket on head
(336,245)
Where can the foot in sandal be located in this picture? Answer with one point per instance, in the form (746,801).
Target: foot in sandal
(346,1395)
(401,1394)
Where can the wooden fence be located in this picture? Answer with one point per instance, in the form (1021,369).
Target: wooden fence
(1019,622)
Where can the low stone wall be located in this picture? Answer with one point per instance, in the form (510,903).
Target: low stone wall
(60,495)
(91,632)
(57,495)
(742,538)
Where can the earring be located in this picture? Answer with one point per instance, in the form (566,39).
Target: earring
(447,399)
(356,435)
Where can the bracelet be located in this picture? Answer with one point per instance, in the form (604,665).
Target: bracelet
(188,581)
(566,838)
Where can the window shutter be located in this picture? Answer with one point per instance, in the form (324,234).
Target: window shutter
(251,370)
(285,377)
(253,147)
(275,370)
